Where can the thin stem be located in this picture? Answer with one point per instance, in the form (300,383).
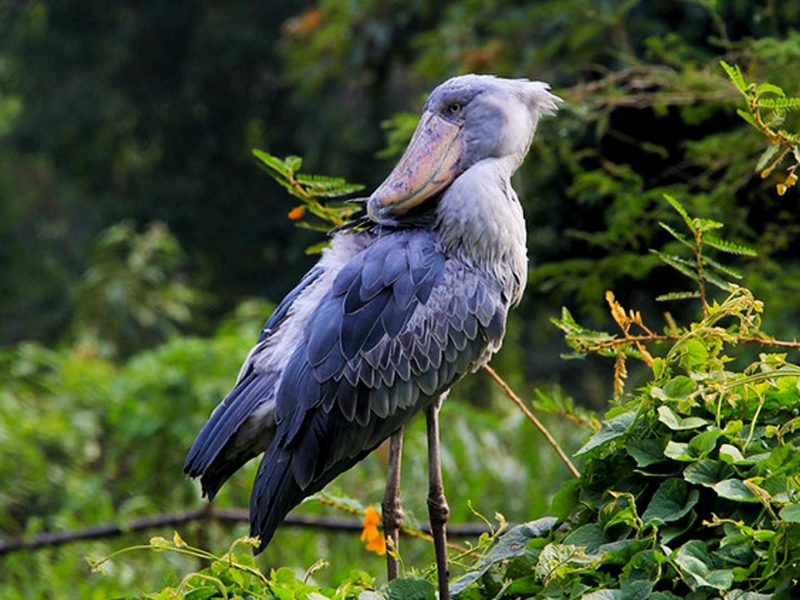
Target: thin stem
(532,418)
(673,337)
(698,253)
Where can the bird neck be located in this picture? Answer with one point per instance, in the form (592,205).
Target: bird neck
(479,220)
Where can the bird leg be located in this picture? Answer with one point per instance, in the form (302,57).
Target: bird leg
(391,508)
(438,510)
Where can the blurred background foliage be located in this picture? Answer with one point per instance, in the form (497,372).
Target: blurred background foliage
(136,229)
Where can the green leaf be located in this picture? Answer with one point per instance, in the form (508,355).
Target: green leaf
(679,387)
(735,75)
(677,296)
(678,236)
(318,247)
(604,595)
(678,451)
(676,529)
(743,595)
(271,162)
(790,513)
(704,442)
(565,499)
(694,560)
(766,157)
(681,211)
(732,455)
(780,103)
(676,423)
(705,225)
(293,163)
(610,429)
(729,247)
(672,501)
(510,544)
(749,118)
(709,277)
(646,452)
(735,489)
(409,589)
(707,472)
(556,559)
(770,88)
(681,265)
(710,262)
(693,354)
(590,536)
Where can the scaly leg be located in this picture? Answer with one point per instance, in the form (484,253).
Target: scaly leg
(437,503)
(391,508)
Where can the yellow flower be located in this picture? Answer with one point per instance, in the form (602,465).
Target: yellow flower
(375,541)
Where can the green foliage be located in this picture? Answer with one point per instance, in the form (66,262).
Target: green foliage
(768,107)
(98,124)
(77,435)
(690,486)
(701,268)
(134,294)
(235,574)
(311,190)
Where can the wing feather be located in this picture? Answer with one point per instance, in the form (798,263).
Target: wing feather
(399,325)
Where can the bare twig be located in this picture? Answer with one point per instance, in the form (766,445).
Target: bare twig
(532,418)
(674,337)
(220,515)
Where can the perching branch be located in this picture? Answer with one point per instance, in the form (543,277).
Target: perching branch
(532,418)
(228,516)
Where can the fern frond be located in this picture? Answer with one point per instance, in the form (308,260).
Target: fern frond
(780,103)
(273,163)
(681,211)
(769,88)
(681,265)
(709,277)
(735,75)
(729,247)
(704,225)
(748,117)
(677,296)
(710,262)
(573,329)
(677,235)
(313,226)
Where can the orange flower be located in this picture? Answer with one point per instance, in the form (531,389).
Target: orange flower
(375,541)
(297,213)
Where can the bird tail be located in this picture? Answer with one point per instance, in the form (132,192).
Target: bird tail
(234,433)
(275,493)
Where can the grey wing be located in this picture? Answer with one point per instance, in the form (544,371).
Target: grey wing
(399,326)
(221,448)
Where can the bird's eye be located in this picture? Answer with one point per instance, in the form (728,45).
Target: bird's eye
(455,108)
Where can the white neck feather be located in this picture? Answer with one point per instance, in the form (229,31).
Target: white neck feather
(479,220)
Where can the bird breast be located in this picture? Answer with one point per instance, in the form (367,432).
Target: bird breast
(479,219)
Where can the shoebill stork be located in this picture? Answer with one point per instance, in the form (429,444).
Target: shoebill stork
(392,315)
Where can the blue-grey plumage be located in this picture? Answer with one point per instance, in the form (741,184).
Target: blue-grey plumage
(389,318)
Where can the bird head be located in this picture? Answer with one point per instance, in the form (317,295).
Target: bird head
(466,119)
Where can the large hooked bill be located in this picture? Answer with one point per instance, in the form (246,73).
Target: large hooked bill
(429,164)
